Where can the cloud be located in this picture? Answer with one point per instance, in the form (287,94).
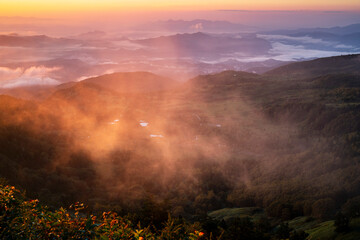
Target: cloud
(197,27)
(85,77)
(285,52)
(20,77)
(128,45)
(109,71)
(8,73)
(303,39)
(344,46)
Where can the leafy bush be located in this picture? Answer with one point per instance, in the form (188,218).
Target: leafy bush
(23,219)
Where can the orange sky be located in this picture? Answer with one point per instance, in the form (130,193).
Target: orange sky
(58,8)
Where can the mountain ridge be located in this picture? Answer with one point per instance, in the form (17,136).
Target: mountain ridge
(320,66)
(132,82)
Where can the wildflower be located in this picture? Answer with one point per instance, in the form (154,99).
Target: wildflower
(199,233)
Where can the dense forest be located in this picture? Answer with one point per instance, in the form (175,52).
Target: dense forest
(232,155)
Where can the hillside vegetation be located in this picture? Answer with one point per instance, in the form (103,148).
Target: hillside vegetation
(279,146)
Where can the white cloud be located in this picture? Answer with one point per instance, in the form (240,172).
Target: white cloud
(85,77)
(283,52)
(344,46)
(303,39)
(197,27)
(109,71)
(19,77)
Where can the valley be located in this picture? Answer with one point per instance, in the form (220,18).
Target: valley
(282,146)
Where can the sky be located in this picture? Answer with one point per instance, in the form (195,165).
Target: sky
(66,17)
(56,8)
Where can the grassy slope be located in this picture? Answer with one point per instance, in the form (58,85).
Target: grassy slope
(228,213)
(317,230)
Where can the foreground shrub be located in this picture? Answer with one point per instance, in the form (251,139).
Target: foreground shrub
(28,219)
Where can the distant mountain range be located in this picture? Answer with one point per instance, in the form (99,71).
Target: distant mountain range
(201,44)
(344,30)
(146,82)
(35,41)
(179,56)
(182,26)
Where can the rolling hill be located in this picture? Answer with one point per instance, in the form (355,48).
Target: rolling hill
(131,82)
(318,67)
(278,146)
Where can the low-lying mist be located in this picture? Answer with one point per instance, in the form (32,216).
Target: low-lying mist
(287,139)
(203,145)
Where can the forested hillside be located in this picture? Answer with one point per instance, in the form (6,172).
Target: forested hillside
(280,146)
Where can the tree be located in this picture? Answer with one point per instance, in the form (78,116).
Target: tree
(283,231)
(341,222)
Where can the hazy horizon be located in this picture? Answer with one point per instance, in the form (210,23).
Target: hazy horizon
(127,21)
(253,41)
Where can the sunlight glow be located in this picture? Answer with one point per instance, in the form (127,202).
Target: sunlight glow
(63,7)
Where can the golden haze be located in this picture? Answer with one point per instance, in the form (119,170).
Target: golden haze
(62,8)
